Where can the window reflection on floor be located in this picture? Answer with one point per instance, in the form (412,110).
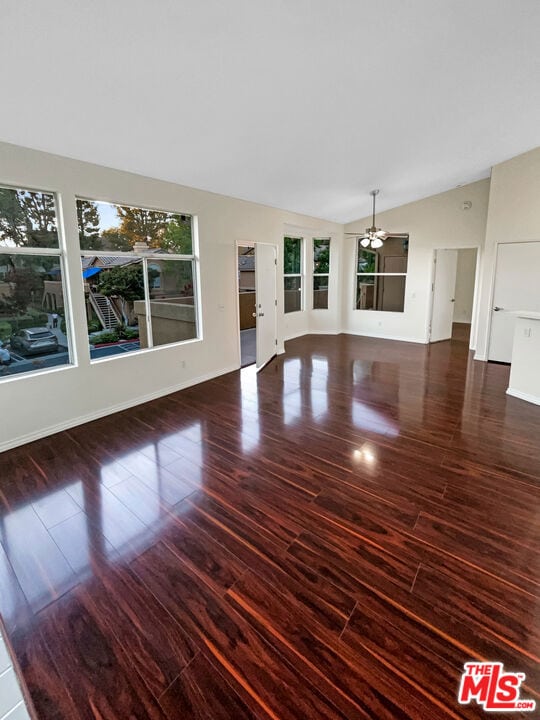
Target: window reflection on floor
(56,542)
(365,417)
(249,407)
(319,395)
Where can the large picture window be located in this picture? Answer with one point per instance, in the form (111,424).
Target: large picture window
(381,275)
(139,271)
(33,327)
(321,272)
(292,274)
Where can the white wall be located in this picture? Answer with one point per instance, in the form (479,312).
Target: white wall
(55,399)
(438,221)
(513,216)
(464,292)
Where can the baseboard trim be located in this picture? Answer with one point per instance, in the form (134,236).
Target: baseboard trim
(418,341)
(313,332)
(524,396)
(140,400)
(293,337)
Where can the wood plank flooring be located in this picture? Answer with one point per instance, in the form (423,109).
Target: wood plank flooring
(333,538)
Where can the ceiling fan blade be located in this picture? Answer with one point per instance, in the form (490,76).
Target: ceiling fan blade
(358,234)
(382,234)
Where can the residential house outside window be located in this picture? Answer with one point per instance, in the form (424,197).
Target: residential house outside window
(381,275)
(34,333)
(321,272)
(292,272)
(140,272)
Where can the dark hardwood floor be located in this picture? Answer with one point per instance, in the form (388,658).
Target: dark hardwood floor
(333,538)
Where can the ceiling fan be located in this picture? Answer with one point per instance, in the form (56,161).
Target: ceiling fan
(374,236)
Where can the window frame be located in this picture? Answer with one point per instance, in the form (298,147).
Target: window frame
(61,253)
(375,275)
(293,275)
(326,275)
(147,258)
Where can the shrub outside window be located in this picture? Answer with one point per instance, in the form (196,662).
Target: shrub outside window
(139,269)
(34,331)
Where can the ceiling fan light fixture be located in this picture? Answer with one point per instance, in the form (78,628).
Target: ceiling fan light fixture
(364,242)
(375,235)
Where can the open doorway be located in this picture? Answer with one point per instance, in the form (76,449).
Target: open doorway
(247,304)
(453,294)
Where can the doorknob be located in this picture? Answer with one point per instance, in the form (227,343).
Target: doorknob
(497,308)
(253,314)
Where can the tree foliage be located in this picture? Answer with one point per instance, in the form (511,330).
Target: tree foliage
(321,256)
(88,219)
(126,282)
(292,263)
(26,283)
(113,239)
(177,238)
(140,225)
(27,219)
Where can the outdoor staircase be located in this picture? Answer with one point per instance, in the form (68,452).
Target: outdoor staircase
(105,311)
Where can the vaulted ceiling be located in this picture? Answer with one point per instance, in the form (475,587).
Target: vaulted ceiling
(299,104)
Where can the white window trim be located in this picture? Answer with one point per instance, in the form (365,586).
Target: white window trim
(300,275)
(147,257)
(61,253)
(326,275)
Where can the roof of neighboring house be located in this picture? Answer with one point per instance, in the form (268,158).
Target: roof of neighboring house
(108,261)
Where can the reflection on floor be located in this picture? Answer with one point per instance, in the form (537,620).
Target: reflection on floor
(12,703)
(461,331)
(330,538)
(248,346)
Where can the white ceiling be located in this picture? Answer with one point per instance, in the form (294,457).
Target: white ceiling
(299,104)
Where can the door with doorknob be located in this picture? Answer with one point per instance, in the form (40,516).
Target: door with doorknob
(443,294)
(517,287)
(266,310)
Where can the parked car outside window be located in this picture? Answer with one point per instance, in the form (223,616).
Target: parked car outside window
(34,341)
(5,357)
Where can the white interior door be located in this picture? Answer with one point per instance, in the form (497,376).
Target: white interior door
(444,285)
(517,287)
(265,284)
